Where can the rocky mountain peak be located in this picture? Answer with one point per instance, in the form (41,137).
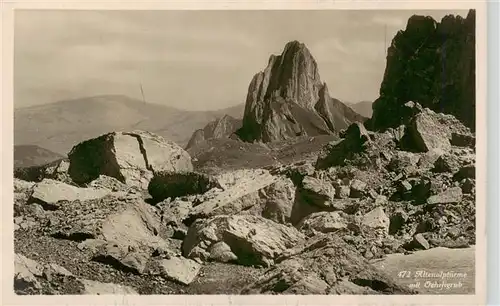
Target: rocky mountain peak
(432,63)
(288,99)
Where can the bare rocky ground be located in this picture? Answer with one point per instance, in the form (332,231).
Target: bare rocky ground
(139,218)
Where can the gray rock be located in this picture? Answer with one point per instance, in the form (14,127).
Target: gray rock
(130,157)
(178,269)
(357,189)
(172,185)
(318,192)
(468,185)
(51,192)
(342,192)
(376,222)
(222,252)
(428,133)
(451,195)
(98,288)
(420,242)
(288,99)
(468,171)
(323,222)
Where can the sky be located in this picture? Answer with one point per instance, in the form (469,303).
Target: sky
(194,60)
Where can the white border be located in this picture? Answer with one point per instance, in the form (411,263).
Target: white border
(9,298)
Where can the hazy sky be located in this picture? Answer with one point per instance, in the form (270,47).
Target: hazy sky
(194,60)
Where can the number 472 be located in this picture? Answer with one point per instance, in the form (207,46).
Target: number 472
(406,274)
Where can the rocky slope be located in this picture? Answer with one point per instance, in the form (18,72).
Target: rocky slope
(432,63)
(223,127)
(141,219)
(288,99)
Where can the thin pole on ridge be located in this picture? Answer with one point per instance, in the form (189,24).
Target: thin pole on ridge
(142,93)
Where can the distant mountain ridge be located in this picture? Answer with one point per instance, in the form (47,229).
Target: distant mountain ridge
(431,63)
(61,125)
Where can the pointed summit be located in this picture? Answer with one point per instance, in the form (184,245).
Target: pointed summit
(282,100)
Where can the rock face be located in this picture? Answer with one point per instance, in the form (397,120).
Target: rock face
(432,63)
(288,99)
(129,157)
(51,192)
(223,127)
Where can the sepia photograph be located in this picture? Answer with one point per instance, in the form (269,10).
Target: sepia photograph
(244,152)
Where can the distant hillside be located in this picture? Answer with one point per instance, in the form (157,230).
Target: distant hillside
(363,108)
(32,155)
(59,126)
(223,127)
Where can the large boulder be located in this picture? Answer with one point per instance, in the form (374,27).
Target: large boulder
(123,232)
(178,269)
(318,192)
(359,148)
(253,240)
(288,99)
(322,222)
(429,131)
(324,265)
(251,191)
(130,157)
(51,193)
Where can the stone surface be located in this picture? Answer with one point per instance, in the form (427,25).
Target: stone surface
(240,190)
(335,153)
(132,225)
(253,239)
(122,256)
(178,269)
(318,192)
(463,140)
(322,222)
(130,157)
(420,242)
(51,192)
(357,189)
(451,195)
